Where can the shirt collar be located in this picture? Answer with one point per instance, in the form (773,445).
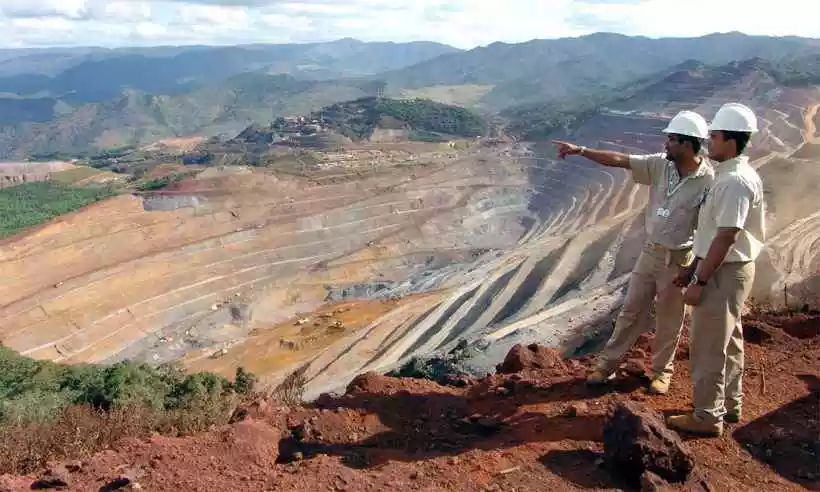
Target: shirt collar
(732,164)
(702,169)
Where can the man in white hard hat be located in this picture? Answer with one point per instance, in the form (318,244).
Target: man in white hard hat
(678,180)
(729,237)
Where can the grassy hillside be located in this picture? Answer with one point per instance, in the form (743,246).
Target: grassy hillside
(338,124)
(466,95)
(357,119)
(30,204)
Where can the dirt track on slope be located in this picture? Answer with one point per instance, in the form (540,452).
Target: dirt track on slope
(810,133)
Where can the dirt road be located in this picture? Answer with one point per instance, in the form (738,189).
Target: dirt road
(810,133)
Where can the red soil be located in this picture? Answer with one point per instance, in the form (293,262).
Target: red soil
(538,429)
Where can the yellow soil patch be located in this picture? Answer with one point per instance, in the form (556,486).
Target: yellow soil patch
(286,345)
(459,95)
(175,144)
(84,175)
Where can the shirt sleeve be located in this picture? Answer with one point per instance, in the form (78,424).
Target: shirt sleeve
(734,200)
(645,167)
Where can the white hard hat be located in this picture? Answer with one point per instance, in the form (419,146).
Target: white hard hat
(688,123)
(734,117)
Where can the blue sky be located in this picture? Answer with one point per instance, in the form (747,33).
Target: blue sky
(461,23)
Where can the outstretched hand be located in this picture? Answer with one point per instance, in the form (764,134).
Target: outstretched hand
(566,148)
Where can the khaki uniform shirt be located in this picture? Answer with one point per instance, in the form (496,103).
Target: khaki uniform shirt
(736,200)
(673,207)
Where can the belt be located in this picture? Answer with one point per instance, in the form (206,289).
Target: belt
(667,251)
(661,247)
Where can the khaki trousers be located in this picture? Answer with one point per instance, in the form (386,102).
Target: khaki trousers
(716,342)
(652,276)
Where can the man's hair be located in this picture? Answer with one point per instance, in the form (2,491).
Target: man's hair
(696,142)
(741,139)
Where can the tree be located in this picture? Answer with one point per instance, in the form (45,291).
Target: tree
(244,381)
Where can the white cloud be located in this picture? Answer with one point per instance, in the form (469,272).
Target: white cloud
(462,23)
(659,18)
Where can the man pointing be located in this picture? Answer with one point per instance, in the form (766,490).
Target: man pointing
(678,181)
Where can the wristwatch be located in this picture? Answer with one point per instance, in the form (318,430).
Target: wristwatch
(696,281)
(581,150)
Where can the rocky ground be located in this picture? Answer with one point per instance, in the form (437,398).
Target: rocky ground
(533,425)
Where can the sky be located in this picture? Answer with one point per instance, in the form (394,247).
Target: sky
(461,23)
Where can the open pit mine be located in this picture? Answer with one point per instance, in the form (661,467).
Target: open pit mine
(390,251)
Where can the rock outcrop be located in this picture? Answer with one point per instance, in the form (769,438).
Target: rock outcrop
(636,441)
(532,357)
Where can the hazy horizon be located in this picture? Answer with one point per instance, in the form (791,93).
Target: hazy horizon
(463,24)
(336,40)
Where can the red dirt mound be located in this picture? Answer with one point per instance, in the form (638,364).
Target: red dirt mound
(531,358)
(539,429)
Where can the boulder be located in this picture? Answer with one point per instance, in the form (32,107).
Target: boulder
(532,357)
(55,477)
(121,483)
(636,440)
(577,409)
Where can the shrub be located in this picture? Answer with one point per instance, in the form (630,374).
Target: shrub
(50,411)
(291,391)
(244,381)
(164,181)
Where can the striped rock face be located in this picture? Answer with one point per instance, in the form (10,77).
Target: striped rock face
(371,261)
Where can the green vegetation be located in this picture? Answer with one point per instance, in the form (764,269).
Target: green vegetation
(52,411)
(182,94)
(357,119)
(164,181)
(31,204)
(422,136)
(72,176)
(799,71)
(539,121)
(34,391)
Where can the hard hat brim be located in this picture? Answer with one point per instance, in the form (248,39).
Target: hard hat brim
(713,129)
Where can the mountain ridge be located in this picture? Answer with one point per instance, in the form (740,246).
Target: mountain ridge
(571,66)
(553,77)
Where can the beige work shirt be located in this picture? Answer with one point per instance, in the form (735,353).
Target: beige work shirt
(673,207)
(735,200)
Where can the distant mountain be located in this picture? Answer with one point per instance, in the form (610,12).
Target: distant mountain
(135,96)
(136,117)
(102,75)
(683,86)
(544,70)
